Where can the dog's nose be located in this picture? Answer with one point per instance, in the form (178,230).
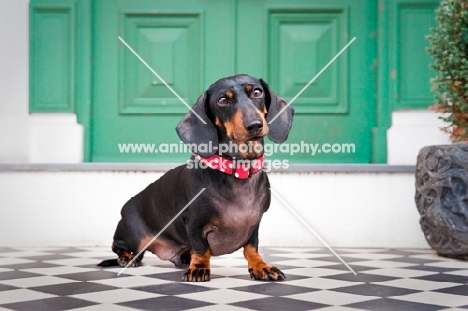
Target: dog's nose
(254,127)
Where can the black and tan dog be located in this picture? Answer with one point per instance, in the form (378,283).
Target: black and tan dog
(226,216)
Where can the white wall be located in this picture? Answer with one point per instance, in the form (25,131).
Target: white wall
(24,138)
(55,138)
(410,131)
(83,208)
(14,80)
(14,57)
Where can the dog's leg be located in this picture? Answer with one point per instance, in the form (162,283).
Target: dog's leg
(126,244)
(185,258)
(199,269)
(258,269)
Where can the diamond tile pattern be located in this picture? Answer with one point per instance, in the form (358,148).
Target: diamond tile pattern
(67,278)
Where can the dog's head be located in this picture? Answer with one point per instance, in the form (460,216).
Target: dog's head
(236,110)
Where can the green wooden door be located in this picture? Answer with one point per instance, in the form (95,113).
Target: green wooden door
(193,43)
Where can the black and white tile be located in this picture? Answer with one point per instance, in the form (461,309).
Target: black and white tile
(56,279)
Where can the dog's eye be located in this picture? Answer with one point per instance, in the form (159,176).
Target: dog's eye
(257,93)
(222,100)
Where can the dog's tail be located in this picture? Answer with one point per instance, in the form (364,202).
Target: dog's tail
(108,263)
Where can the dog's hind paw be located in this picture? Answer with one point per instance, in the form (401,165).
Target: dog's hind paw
(126,258)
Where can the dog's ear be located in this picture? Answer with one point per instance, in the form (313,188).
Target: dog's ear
(281,125)
(196,134)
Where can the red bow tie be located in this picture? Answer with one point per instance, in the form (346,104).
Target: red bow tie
(239,168)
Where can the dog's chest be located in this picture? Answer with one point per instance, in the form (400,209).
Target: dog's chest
(238,218)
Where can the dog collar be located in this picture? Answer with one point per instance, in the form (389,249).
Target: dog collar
(239,168)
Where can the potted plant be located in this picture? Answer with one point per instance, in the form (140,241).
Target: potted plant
(442,171)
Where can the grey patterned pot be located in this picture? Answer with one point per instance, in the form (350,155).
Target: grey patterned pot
(442,198)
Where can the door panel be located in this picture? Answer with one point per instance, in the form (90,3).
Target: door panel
(300,44)
(189,44)
(173,45)
(294,40)
(411,73)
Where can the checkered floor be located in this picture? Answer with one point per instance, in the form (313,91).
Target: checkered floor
(63,279)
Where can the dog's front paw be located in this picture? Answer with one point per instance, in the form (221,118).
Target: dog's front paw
(196,275)
(266,272)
